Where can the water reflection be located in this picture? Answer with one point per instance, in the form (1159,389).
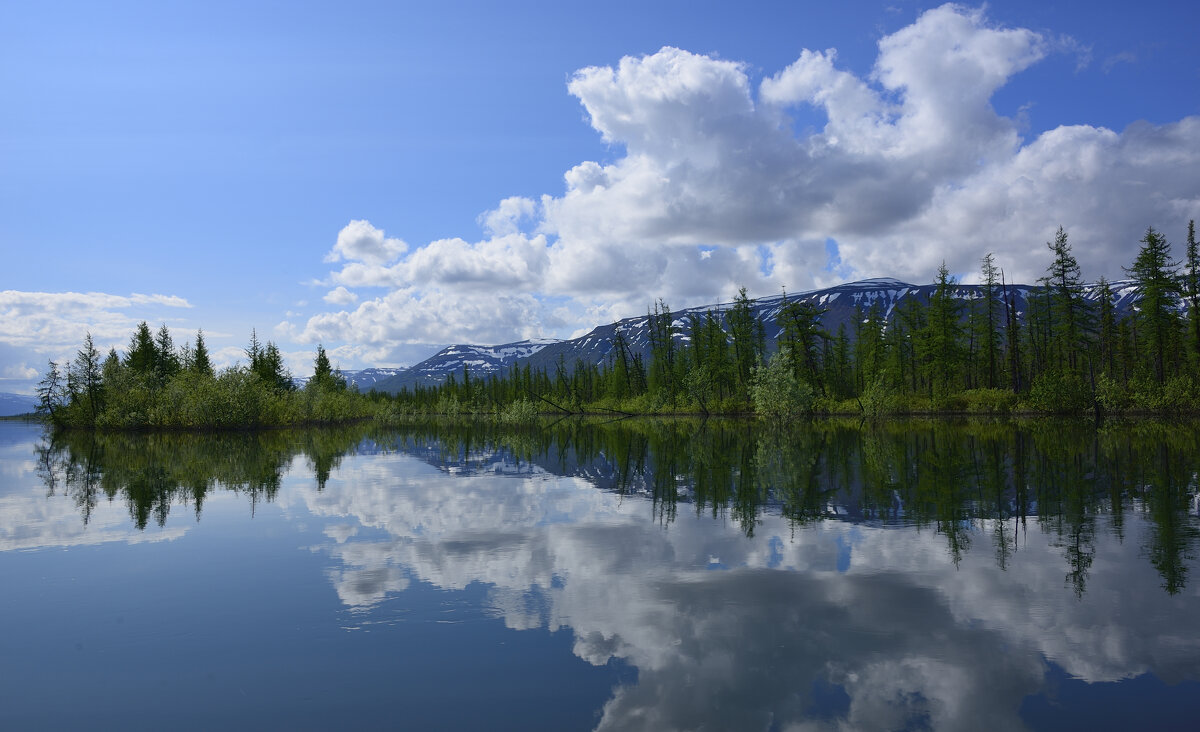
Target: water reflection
(1071,478)
(904,575)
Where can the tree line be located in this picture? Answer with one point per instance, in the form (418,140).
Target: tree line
(1065,348)
(981,482)
(1069,350)
(156,384)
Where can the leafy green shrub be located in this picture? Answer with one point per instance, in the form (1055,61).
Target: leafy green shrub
(1111,396)
(522,411)
(988,401)
(1057,392)
(880,398)
(776,393)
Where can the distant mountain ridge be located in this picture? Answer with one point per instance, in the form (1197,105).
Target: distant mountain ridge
(843,303)
(13,404)
(364,379)
(481,361)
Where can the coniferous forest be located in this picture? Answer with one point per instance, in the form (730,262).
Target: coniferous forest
(1066,353)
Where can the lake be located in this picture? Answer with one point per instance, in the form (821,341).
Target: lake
(637,574)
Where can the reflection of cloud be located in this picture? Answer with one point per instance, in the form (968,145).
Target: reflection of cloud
(902,631)
(29,519)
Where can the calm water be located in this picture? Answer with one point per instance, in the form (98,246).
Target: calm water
(633,575)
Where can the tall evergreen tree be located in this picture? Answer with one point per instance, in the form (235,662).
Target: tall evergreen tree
(166,362)
(1107,340)
(200,360)
(943,336)
(51,392)
(87,377)
(142,356)
(1069,312)
(801,332)
(1158,283)
(989,322)
(749,340)
(663,357)
(1191,289)
(1012,337)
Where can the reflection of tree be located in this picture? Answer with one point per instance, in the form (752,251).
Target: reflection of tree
(1173,540)
(153,472)
(973,481)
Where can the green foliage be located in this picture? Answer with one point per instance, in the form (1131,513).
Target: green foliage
(1158,284)
(200,362)
(521,411)
(988,401)
(925,355)
(1061,392)
(776,393)
(880,398)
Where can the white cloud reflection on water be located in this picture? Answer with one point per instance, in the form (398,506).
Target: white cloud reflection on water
(908,635)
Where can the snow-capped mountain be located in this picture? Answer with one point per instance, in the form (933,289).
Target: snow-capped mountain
(480,361)
(844,304)
(364,379)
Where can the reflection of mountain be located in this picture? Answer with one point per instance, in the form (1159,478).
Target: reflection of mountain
(866,624)
(916,574)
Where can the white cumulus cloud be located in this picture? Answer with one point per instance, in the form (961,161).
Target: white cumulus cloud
(715,183)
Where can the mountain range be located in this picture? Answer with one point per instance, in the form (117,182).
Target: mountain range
(844,303)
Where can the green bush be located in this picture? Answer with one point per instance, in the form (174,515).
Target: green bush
(522,411)
(776,393)
(988,401)
(1057,392)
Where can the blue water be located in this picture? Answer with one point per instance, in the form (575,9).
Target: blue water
(414,591)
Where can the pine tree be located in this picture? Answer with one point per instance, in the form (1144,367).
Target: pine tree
(663,356)
(142,356)
(1191,289)
(1158,283)
(87,377)
(749,340)
(51,392)
(1107,342)
(166,362)
(943,336)
(801,333)
(989,322)
(200,361)
(1012,335)
(1068,314)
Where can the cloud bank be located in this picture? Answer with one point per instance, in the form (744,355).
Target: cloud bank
(52,325)
(718,182)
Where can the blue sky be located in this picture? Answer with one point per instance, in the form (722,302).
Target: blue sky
(389,178)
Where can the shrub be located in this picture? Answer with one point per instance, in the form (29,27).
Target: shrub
(776,393)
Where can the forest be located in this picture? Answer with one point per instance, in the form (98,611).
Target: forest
(1066,353)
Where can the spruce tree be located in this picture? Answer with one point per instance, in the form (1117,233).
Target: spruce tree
(1158,284)
(749,340)
(1107,341)
(1068,313)
(166,363)
(1191,289)
(323,371)
(200,361)
(943,336)
(989,322)
(51,391)
(142,356)
(87,377)
(801,333)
